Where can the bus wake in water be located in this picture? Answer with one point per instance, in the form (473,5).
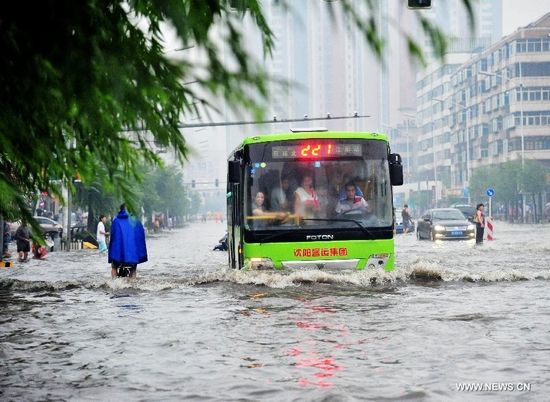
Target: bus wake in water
(418,273)
(188,320)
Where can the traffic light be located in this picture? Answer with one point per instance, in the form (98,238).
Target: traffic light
(217,183)
(193,183)
(419,3)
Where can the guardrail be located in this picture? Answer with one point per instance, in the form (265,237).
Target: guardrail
(73,245)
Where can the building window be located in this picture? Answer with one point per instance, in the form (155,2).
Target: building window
(538,118)
(541,69)
(535,45)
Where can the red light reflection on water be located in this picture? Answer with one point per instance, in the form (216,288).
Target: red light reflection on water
(320,367)
(324,368)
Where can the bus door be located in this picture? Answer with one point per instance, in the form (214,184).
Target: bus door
(234,214)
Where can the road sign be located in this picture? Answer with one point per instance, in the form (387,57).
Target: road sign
(490,192)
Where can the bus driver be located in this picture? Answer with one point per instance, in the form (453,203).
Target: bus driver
(352,201)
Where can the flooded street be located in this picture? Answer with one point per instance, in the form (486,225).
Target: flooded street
(189,329)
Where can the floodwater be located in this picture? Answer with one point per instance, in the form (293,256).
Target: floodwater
(450,315)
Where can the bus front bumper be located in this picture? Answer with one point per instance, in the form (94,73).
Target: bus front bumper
(382,260)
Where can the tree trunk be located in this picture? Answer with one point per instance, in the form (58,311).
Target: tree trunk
(91,218)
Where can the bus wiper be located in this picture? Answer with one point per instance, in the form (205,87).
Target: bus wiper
(364,229)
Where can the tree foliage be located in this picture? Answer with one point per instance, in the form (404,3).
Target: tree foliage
(160,189)
(508,179)
(86,87)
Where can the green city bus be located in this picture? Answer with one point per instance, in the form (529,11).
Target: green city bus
(286,195)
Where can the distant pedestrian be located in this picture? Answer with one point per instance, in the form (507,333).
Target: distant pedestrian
(407,219)
(23,240)
(101,234)
(127,247)
(480,223)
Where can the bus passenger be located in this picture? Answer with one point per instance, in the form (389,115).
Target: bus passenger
(352,201)
(306,202)
(281,196)
(259,210)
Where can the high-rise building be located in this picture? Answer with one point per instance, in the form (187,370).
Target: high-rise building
(329,68)
(451,16)
(488,108)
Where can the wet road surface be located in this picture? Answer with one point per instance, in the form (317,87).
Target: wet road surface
(189,329)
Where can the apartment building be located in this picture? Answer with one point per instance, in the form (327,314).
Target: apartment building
(491,108)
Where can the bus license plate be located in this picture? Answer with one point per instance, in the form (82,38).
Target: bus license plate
(456,233)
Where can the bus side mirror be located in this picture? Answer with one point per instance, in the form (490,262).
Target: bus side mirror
(234,171)
(396,169)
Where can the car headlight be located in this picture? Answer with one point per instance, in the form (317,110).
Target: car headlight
(471,227)
(439,228)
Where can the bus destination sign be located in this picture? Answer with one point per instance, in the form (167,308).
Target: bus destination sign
(314,150)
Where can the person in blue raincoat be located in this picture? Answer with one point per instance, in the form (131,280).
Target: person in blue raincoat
(127,247)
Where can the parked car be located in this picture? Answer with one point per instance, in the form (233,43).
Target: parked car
(49,226)
(468,211)
(445,223)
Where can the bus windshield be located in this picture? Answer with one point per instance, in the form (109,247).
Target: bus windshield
(345,184)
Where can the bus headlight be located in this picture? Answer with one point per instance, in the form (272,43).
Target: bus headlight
(259,263)
(377,260)
(439,228)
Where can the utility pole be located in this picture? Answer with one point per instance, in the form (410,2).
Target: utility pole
(522,146)
(467,181)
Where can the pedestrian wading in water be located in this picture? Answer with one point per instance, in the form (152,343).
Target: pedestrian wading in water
(127,247)
(479,219)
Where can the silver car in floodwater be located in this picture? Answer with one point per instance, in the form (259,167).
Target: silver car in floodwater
(444,224)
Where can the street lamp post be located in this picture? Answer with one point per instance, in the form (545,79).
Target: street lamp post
(467,181)
(520,128)
(408,152)
(435,166)
(522,145)
(412,116)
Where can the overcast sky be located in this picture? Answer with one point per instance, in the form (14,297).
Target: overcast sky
(518,13)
